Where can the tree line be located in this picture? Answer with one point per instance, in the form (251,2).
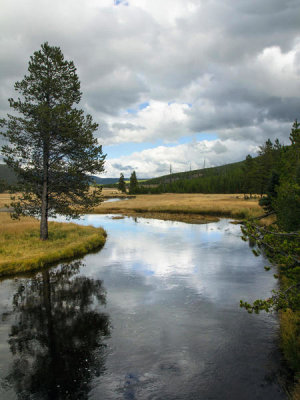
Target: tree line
(279,241)
(253,176)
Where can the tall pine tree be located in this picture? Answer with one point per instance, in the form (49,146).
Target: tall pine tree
(121,184)
(133,183)
(52,148)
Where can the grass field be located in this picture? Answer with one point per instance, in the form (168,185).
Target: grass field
(111,193)
(193,208)
(4,199)
(188,206)
(21,249)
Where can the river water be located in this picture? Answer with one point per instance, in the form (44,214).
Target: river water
(153,315)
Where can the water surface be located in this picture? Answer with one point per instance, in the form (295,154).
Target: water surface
(112,200)
(153,315)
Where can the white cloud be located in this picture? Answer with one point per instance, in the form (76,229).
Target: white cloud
(153,162)
(158,120)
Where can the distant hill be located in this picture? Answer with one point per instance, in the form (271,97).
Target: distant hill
(104,181)
(110,181)
(7,175)
(229,178)
(197,173)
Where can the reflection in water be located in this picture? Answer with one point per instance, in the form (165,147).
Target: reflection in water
(56,338)
(173,292)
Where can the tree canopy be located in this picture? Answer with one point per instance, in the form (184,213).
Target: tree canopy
(51,145)
(280,242)
(121,184)
(133,183)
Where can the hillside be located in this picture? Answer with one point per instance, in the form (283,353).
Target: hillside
(197,173)
(104,181)
(229,178)
(7,175)
(110,181)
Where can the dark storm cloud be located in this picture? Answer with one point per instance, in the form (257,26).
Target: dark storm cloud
(122,167)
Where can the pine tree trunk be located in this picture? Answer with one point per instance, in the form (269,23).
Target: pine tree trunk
(44,214)
(44,208)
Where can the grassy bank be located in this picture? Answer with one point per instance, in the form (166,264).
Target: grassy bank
(290,341)
(21,249)
(184,207)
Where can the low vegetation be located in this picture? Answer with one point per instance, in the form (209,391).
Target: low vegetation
(280,242)
(4,199)
(184,207)
(22,250)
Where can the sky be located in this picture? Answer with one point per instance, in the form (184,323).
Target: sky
(185,83)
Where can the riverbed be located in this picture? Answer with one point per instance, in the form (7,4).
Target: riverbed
(153,315)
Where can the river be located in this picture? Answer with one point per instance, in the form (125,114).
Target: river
(153,315)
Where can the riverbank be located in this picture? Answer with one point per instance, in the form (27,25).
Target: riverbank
(152,273)
(193,208)
(21,249)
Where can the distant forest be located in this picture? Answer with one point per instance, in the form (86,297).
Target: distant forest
(251,176)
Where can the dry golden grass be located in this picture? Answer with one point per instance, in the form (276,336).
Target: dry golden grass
(175,206)
(222,205)
(22,250)
(112,192)
(106,193)
(4,199)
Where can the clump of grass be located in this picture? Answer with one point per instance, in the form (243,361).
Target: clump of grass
(21,249)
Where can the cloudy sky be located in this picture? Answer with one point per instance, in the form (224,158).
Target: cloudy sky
(169,81)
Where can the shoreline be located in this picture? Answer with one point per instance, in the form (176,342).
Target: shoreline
(22,251)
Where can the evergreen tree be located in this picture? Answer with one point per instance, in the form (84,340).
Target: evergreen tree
(133,184)
(121,184)
(267,202)
(280,241)
(267,163)
(287,203)
(249,175)
(52,148)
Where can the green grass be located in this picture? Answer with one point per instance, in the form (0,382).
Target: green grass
(21,249)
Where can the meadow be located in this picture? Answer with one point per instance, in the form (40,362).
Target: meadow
(4,199)
(184,207)
(22,250)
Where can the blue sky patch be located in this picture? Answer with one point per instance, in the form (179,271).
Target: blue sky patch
(143,105)
(123,2)
(139,108)
(125,149)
